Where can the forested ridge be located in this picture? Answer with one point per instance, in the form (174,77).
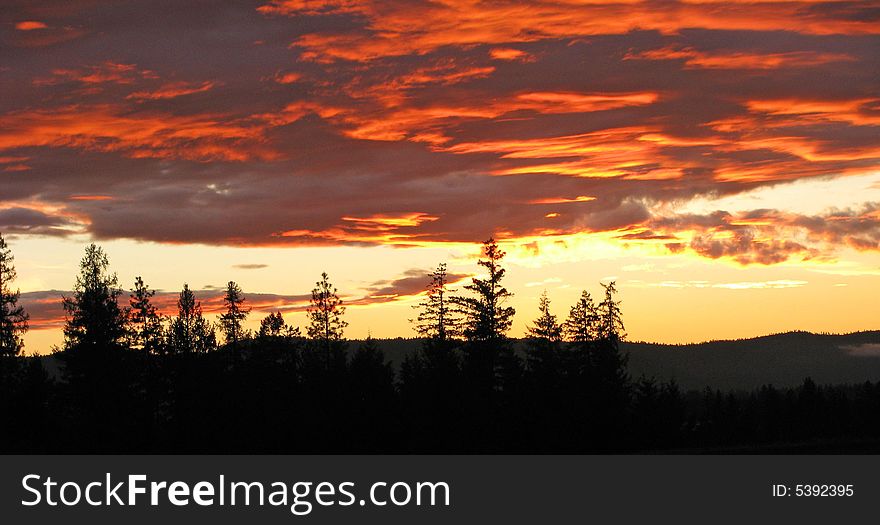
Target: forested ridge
(132,380)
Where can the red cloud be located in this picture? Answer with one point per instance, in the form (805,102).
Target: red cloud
(400,28)
(30,25)
(108,72)
(111,128)
(695,59)
(172,90)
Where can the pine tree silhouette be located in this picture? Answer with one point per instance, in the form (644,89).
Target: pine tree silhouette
(231,321)
(582,324)
(545,336)
(94,319)
(274,326)
(144,322)
(490,360)
(485,316)
(13,318)
(326,325)
(575,395)
(190,332)
(610,317)
(437,317)
(438,323)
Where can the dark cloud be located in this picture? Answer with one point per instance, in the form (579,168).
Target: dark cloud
(250,266)
(17,220)
(767,236)
(412,282)
(399,123)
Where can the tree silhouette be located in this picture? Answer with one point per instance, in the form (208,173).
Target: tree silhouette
(274,326)
(231,321)
(485,316)
(581,330)
(608,367)
(326,325)
(610,317)
(190,332)
(545,336)
(489,358)
(546,327)
(436,319)
(94,318)
(13,319)
(574,396)
(581,326)
(144,322)
(438,324)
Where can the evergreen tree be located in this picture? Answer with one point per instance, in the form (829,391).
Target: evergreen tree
(438,324)
(610,317)
(581,330)
(190,332)
(144,322)
(273,326)
(544,338)
(582,323)
(485,316)
(94,318)
(231,321)
(489,358)
(611,385)
(436,319)
(546,327)
(13,319)
(326,325)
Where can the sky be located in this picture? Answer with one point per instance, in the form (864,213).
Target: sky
(720,160)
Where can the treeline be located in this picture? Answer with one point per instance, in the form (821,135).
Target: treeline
(134,381)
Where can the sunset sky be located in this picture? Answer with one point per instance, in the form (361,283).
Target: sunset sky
(719,159)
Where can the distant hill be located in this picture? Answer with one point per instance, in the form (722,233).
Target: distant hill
(742,364)
(780,359)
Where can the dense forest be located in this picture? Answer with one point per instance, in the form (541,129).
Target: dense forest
(134,381)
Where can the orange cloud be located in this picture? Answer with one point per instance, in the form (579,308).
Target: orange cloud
(563,200)
(375,229)
(286,78)
(428,123)
(30,25)
(14,164)
(391,221)
(509,53)
(860,111)
(694,59)
(619,152)
(172,90)
(91,197)
(105,72)
(401,28)
(112,128)
(396,90)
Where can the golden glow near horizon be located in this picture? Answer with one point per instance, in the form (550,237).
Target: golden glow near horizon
(720,160)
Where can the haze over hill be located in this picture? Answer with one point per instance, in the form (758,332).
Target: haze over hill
(778,359)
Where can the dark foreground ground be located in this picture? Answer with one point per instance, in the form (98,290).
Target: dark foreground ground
(788,393)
